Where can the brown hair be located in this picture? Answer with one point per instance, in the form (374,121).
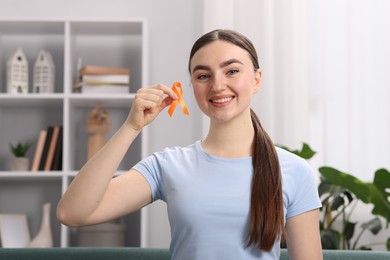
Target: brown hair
(266,205)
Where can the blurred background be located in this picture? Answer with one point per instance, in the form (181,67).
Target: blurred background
(326,79)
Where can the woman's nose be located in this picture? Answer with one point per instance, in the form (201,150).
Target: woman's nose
(218,83)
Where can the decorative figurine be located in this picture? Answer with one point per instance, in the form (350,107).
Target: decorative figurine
(44,73)
(17,73)
(98,124)
(44,237)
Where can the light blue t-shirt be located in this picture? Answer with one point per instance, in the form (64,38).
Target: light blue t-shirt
(208,200)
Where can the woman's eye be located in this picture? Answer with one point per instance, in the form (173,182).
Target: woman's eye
(203,76)
(232,72)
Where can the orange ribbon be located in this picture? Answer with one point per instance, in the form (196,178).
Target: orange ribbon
(179,91)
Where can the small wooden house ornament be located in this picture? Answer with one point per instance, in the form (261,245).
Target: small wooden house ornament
(44,71)
(17,73)
(97,125)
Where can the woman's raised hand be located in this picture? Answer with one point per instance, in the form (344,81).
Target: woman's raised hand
(105,200)
(148,103)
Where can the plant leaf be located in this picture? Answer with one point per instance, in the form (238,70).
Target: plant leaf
(336,191)
(306,152)
(323,188)
(374,225)
(380,202)
(382,181)
(349,196)
(347,181)
(337,202)
(366,192)
(349,230)
(365,248)
(382,184)
(330,239)
(20,149)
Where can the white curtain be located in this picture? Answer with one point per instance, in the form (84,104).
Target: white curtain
(349,60)
(325,79)
(350,84)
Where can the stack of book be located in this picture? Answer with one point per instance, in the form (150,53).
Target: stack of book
(106,80)
(48,152)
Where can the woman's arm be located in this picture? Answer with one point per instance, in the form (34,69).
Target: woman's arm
(94,196)
(303,236)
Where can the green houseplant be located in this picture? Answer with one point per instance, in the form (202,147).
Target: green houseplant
(339,193)
(20,162)
(20,149)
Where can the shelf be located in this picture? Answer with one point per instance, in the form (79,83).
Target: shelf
(40,175)
(115,43)
(72,174)
(109,100)
(31,28)
(28,175)
(55,99)
(72,43)
(27,195)
(31,37)
(113,28)
(118,110)
(31,100)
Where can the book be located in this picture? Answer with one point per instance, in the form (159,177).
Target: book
(45,148)
(95,83)
(38,150)
(52,148)
(106,78)
(57,160)
(105,89)
(101,70)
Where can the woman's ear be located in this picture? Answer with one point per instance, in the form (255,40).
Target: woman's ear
(256,86)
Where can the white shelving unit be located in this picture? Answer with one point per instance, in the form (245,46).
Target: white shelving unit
(119,43)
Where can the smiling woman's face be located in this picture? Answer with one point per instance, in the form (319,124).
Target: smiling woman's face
(224,80)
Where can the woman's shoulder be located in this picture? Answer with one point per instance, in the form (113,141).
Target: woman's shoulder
(299,186)
(292,164)
(285,155)
(171,155)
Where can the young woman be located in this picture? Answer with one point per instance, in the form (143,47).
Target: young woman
(231,195)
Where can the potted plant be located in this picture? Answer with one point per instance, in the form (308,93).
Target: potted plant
(339,193)
(20,162)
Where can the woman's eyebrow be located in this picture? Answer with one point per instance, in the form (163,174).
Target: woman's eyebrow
(223,64)
(200,67)
(231,61)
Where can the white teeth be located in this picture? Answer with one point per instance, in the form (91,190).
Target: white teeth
(222,100)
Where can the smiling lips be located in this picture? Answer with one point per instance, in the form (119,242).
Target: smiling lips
(221,100)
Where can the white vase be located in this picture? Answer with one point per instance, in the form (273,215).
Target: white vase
(19,164)
(44,237)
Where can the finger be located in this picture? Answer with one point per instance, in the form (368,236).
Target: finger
(151,90)
(166,102)
(168,91)
(146,105)
(153,97)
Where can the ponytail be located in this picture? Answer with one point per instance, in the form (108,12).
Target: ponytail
(266,205)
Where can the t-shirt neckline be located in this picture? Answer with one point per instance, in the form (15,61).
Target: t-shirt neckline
(202,152)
